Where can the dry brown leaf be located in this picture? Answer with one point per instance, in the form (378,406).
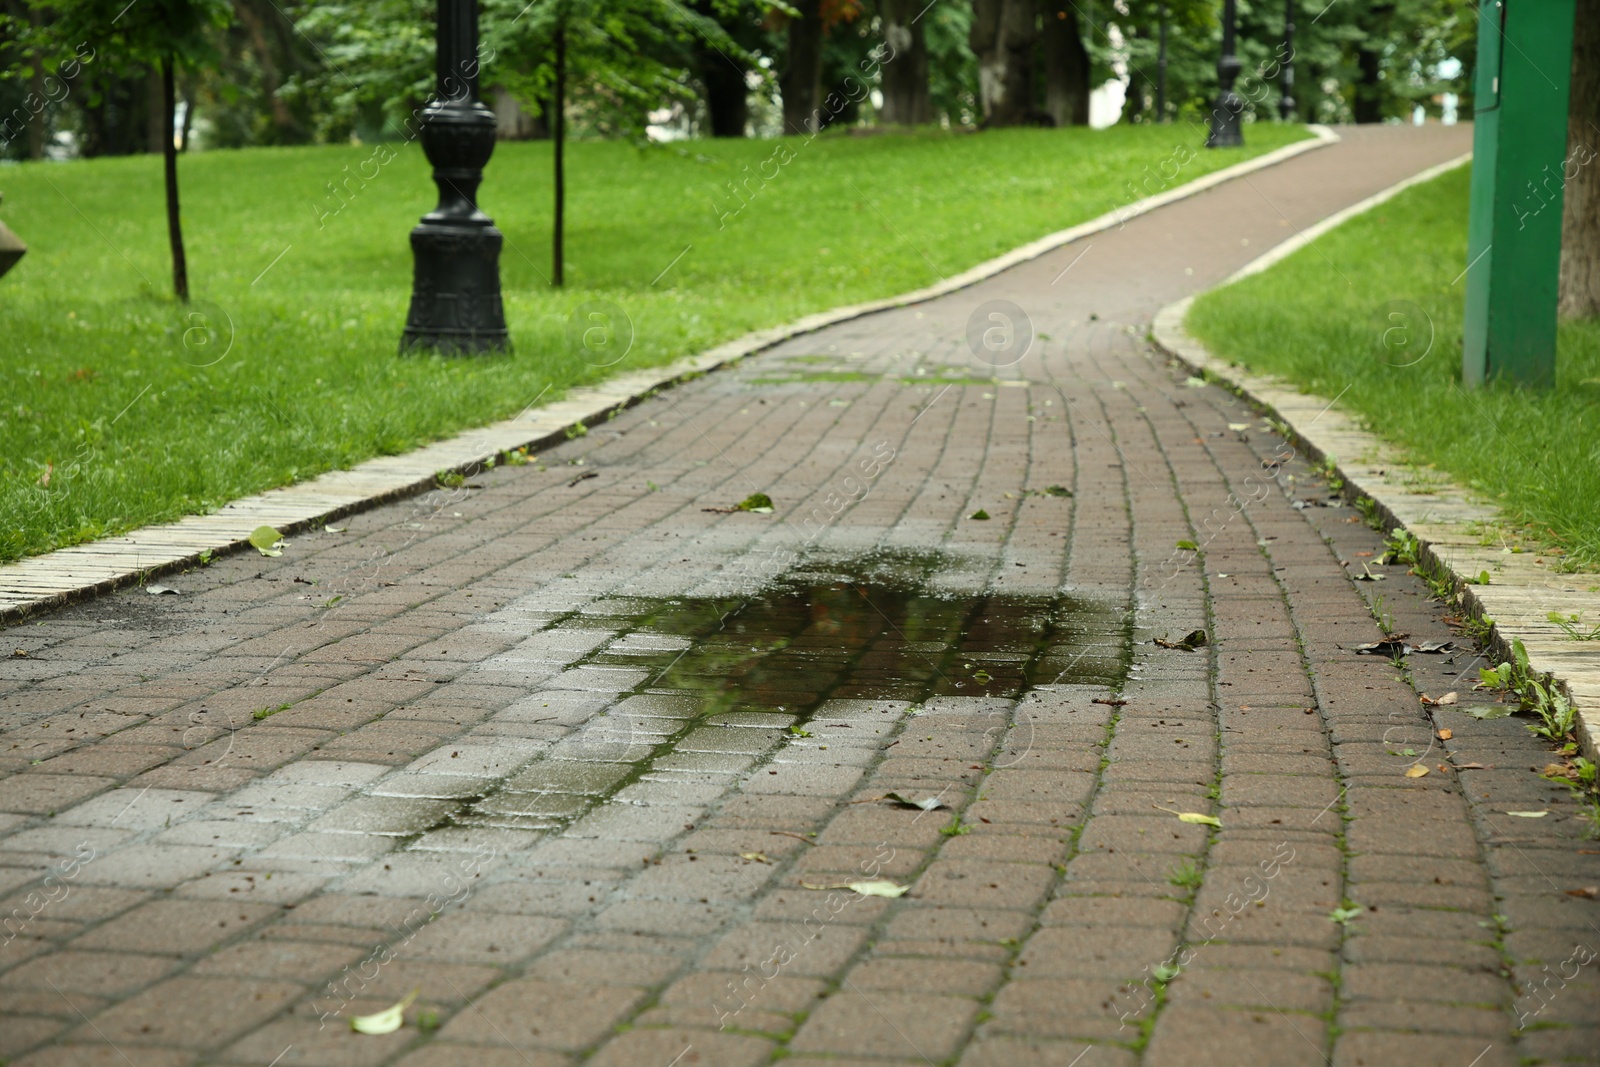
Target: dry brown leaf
(1445,735)
(1588,892)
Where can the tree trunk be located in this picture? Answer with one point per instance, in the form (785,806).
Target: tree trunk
(39,128)
(727,94)
(1002,37)
(1368,104)
(289,130)
(1375,30)
(156,124)
(1580,217)
(801,81)
(558,131)
(906,99)
(1066,65)
(169,152)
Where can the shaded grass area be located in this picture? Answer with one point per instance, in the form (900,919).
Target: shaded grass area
(121,408)
(1352,316)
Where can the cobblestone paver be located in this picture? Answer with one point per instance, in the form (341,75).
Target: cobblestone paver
(586,758)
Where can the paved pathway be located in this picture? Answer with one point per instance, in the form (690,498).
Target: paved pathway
(547,751)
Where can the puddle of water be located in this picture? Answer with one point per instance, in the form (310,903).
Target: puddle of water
(707,687)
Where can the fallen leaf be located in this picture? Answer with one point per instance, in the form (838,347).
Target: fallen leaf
(1187,546)
(926,804)
(1342,916)
(758,857)
(1528,814)
(1194,383)
(20,653)
(386,1021)
(877,888)
(1588,892)
(1489,711)
(1110,702)
(266,539)
(1470,767)
(160,590)
(1237,427)
(336,529)
(1555,770)
(1192,817)
(1416,771)
(1445,735)
(1190,641)
(980,515)
(1444,701)
(756,504)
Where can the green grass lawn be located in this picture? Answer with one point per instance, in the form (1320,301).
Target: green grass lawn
(1318,318)
(138,414)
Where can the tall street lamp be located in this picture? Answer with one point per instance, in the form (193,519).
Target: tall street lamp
(455,290)
(1286,99)
(1225,132)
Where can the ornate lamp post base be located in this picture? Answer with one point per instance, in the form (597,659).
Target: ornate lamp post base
(455,289)
(1225,123)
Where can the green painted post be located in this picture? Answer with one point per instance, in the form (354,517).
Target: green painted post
(1519,158)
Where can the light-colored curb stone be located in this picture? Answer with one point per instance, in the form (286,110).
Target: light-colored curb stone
(1454,526)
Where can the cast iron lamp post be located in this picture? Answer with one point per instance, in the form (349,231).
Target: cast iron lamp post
(455,290)
(1225,131)
(1286,99)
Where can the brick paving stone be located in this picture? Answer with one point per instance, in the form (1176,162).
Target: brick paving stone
(632,881)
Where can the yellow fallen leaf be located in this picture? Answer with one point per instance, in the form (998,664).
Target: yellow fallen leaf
(266,540)
(758,857)
(386,1021)
(1445,735)
(1192,817)
(878,888)
(1528,814)
(1416,771)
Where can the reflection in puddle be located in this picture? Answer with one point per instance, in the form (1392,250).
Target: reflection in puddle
(693,692)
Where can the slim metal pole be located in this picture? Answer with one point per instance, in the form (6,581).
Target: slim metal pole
(1225,124)
(1286,99)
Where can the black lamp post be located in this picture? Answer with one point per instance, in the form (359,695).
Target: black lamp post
(455,291)
(1161,70)
(1225,132)
(1286,100)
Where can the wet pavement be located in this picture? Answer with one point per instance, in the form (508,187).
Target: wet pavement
(589,764)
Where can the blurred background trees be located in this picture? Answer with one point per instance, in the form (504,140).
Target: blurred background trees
(286,72)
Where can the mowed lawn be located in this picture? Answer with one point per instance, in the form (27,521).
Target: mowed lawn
(1319,318)
(121,408)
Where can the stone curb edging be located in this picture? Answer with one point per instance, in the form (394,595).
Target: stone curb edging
(69,574)
(1445,518)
